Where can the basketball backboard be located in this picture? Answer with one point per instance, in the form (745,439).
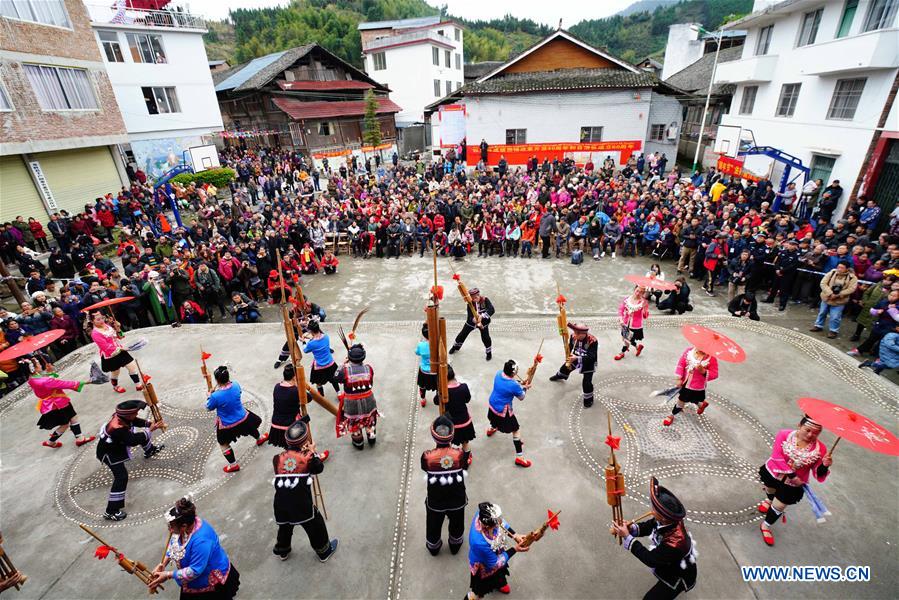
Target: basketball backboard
(727,140)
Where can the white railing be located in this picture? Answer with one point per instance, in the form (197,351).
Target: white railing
(405,38)
(116,13)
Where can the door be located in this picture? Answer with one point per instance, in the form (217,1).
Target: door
(886,190)
(822,166)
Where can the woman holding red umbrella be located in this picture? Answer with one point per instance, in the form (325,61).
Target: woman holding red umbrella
(694,371)
(113,356)
(796,454)
(632,311)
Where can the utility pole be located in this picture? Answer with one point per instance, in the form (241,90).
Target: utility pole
(11,284)
(708,96)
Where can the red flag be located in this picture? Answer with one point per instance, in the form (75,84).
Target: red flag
(456,276)
(613,442)
(553,520)
(102,552)
(206,355)
(560,299)
(539,358)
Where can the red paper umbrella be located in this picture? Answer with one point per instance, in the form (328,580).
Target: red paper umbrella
(108,302)
(650,282)
(848,424)
(711,342)
(30,344)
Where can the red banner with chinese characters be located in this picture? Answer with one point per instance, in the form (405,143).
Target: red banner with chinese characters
(518,154)
(733,167)
(386,146)
(331,154)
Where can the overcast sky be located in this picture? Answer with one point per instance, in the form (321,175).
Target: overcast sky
(542,11)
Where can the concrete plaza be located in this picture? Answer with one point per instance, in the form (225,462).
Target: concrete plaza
(374,498)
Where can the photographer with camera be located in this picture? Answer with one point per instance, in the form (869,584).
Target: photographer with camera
(836,287)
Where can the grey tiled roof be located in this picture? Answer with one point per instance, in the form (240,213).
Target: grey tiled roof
(561,79)
(695,78)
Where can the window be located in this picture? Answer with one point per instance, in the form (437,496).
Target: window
(161,100)
(324,128)
(809,30)
(440,32)
(657,132)
(145,48)
(435,55)
(5,103)
(516,136)
(764,41)
(449,88)
(447,55)
(848,16)
(881,14)
(789,94)
(458,61)
(846,95)
(61,88)
(111,48)
(457,34)
(46,12)
(747,103)
(380,61)
(591,134)
(437,87)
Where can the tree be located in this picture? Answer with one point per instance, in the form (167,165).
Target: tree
(371,135)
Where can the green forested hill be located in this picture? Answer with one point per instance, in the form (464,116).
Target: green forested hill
(332,23)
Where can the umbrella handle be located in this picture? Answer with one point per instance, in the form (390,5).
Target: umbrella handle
(834,447)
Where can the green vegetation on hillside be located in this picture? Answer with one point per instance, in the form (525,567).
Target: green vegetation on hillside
(333,23)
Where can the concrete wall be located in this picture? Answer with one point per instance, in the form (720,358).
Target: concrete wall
(682,49)
(558,117)
(809,132)
(410,74)
(186,70)
(668,111)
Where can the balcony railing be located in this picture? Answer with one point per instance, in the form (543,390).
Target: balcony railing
(748,70)
(853,54)
(115,14)
(406,38)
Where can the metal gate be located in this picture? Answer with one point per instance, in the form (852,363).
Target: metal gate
(886,191)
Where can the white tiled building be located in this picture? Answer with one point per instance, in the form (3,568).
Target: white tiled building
(813,81)
(420,60)
(160,75)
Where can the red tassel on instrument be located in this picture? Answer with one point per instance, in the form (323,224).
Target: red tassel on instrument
(456,276)
(553,520)
(538,358)
(206,356)
(102,552)
(560,299)
(613,442)
(437,291)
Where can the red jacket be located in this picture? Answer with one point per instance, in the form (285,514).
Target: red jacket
(106,218)
(37,230)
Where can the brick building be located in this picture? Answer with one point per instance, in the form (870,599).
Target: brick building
(58,113)
(305,98)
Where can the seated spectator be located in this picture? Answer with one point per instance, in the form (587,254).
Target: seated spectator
(329,263)
(69,340)
(191,312)
(888,357)
(243,309)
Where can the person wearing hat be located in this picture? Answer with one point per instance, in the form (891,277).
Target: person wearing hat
(795,455)
(117,436)
(488,557)
(55,406)
(695,369)
(294,505)
(500,414)
(632,311)
(744,306)
(203,568)
(358,409)
(324,367)
(786,264)
(672,554)
(485,312)
(445,473)
(583,347)
(160,298)
(426,380)
(232,420)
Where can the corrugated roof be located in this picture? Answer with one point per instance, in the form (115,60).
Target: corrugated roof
(241,74)
(299,110)
(696,76)
(400,23)
(560,80)
(339,84)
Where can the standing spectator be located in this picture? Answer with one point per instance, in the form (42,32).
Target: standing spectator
(25,231)
(836,288)
(40,236)
(59,228)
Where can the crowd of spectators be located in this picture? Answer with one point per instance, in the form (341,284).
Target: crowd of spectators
(743,237)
